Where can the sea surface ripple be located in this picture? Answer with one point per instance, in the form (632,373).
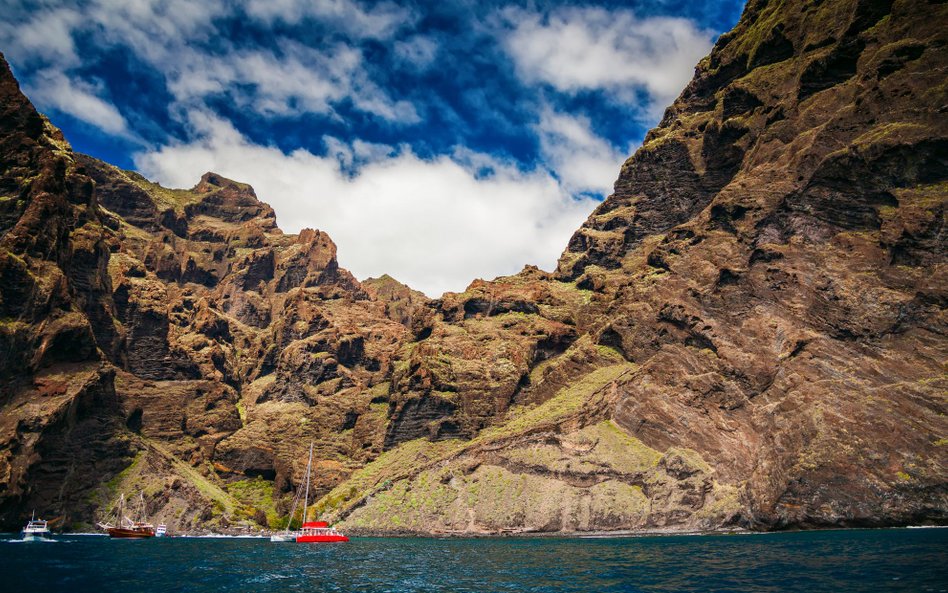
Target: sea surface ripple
(848,560)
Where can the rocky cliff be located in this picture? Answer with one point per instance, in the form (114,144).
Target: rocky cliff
(750,332)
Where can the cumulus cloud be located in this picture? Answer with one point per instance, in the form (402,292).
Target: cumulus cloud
(583,161)
(79,99)
(575,49)
(433,223)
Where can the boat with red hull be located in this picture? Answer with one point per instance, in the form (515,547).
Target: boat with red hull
(311,532)
(126,528)
(134,531)
(319,532)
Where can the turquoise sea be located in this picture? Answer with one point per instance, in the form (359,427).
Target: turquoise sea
(848,560)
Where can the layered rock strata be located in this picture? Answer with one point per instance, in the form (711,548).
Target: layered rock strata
(750,332)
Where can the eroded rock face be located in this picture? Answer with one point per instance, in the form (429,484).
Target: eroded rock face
(772,264)
(750,332)
(196,309)
(777,329)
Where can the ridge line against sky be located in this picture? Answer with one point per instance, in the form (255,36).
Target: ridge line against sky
(435,142)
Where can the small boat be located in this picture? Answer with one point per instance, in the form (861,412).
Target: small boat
(36,529)
(161,530)
(125,528)
(312,532)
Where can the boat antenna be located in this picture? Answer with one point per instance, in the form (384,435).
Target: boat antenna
(309,469)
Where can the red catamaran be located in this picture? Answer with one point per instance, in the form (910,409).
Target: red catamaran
(317,532)
(312,532)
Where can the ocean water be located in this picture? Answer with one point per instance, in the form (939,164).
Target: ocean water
(846,561)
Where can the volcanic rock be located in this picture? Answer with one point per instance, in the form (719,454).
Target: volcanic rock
(750,332)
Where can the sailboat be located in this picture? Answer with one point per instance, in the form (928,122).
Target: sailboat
(125,528)
(311,531)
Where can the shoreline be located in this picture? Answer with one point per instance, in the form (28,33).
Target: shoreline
(624,534)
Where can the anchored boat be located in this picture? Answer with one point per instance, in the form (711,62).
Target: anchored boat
(318,532)
(36,529)
(125,528)
(312,532)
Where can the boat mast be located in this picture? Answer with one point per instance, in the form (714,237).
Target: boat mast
(296,501)
(309,469)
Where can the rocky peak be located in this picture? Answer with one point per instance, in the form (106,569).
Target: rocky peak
(28,144)
(229,201)
(213,182)
(402,303)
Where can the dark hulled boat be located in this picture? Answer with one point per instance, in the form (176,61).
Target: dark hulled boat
(125,528)
(135,531)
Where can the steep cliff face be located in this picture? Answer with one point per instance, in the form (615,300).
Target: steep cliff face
(785,293)
(749,332)
(60,429)
(767,283)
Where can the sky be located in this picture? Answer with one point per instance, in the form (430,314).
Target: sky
(437,142)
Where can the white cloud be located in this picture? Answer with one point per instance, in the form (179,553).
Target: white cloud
(47,37)
(434,224)
(300,80)
(78,99)
(583,161)
(577,49)
(380,22)
(174,38)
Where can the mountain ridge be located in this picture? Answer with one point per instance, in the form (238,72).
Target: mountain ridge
(749,333)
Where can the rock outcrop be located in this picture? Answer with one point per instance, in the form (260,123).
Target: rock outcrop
(750,332)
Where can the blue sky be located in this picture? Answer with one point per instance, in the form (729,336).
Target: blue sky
(434,141)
